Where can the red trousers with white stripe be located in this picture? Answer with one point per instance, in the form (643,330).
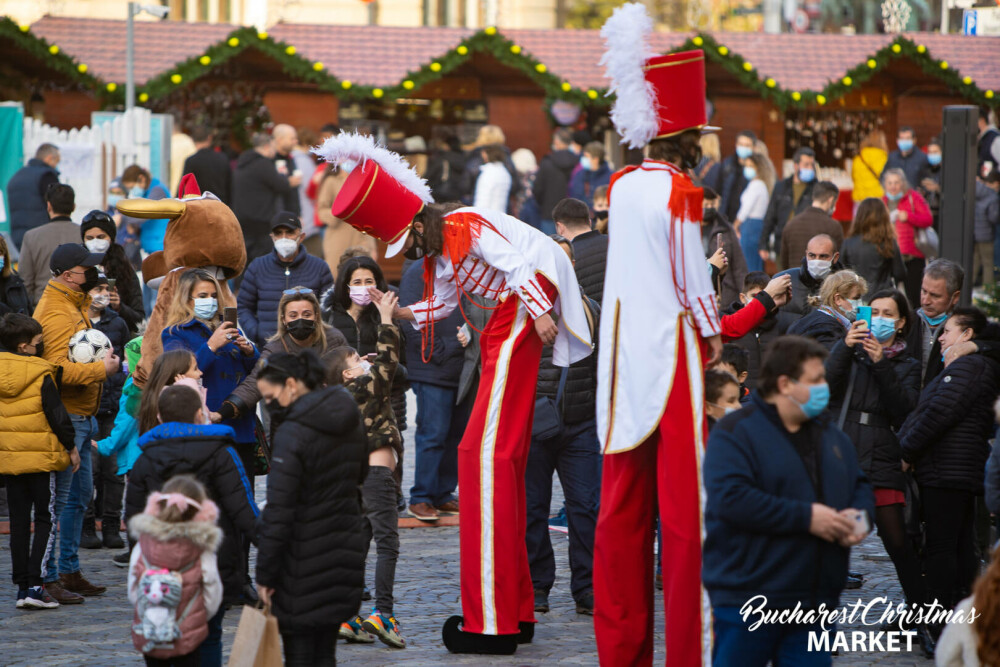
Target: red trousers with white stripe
(667,467)
(496,582)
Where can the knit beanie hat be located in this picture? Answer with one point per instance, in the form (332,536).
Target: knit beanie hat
(101,220)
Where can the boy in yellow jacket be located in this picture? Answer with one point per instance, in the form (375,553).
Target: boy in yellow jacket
(36,439)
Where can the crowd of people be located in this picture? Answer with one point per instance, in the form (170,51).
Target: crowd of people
(846,356)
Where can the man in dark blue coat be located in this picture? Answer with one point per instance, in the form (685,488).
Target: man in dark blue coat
(26,192)
(288,265)
(440,421)
(776,537)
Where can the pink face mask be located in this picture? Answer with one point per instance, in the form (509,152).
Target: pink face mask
(360,295)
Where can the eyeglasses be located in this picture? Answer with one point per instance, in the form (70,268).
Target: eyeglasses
(297,291)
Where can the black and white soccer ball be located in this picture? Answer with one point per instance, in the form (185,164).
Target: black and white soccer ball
(88,345)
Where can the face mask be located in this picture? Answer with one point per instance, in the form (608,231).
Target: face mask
(585,163)
(40,349)
(277,411)
(205,309)
(90,278)
(286,247)
(743,152)
(749,173)
(365,366)
(883,328)
(905,145)
(600,215)
(114,199)
(415,251)
(933,321)
(807,175)
(136,192)
(98,246)
(360,295)
(301,329)
(727,411)
(819,398)
(1,263)
(934,159)
(100,301)
(819,268)
(692,159)
(894,196)
(852,313)
(709,215)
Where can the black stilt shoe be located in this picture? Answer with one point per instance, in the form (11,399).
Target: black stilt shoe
(527,632)
(459,641)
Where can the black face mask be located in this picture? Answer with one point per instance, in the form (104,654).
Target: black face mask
(277,411)
(601,215)
(40,349)
(415,251)
(90,278)
(692,159)
(301,329)
(709,216)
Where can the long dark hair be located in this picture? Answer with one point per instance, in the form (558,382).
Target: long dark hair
(304,366)
(167,367)
(432,218)
(341,297)
(117,266)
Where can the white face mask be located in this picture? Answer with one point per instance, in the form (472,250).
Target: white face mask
(286,247)
(100,300)
(97,246)
(819,268)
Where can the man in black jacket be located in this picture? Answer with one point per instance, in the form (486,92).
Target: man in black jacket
(552,179)
(259,192)
(775,324)
(727,178)
(821,260)
(26,192)
(790,197)
(572,218)
(209,166)
(713,225)
(568,395)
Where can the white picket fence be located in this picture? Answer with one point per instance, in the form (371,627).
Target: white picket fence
(91,157)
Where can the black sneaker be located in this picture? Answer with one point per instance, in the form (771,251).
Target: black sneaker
(541,600)
(122,559)
(89,538)
(585,603)
(38,598)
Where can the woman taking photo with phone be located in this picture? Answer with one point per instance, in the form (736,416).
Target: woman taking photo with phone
(946,442)
(194,322)
(874,386)
(837,306)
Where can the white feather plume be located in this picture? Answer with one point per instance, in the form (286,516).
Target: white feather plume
(359,148)
(626,37)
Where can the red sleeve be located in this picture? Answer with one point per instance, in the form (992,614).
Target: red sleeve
(739,324)
(920,212)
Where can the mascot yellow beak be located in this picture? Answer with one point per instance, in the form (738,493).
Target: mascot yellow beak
(152,209)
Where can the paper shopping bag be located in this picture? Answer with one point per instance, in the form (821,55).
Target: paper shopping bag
(257,642)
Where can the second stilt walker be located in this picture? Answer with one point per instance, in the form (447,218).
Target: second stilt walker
(467,250)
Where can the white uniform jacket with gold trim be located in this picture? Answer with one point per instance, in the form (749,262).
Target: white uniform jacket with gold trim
(644,313)
(504,259)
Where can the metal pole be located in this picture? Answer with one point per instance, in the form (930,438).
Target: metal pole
(945,15)
(130,58)
(958,189)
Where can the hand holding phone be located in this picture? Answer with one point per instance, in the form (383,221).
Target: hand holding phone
(865,315)
(718,241)
(229,315)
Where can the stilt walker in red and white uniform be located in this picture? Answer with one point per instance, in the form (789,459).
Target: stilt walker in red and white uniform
(655,342)
(476,251)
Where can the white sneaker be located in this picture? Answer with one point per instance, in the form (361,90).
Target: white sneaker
(37,598)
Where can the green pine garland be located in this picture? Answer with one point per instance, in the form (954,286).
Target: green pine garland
(50,54)
(507,52)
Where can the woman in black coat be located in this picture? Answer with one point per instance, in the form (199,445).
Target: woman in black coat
(311,538)
(872,250)
(13,295)
(945,440)
(348,308)
(98,232)
(880,381)
(837,306)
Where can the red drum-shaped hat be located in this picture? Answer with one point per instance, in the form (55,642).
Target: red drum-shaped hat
(679,81)
(377,204)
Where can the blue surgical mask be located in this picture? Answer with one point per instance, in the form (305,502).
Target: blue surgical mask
(807,175)
(2,259)
(136,192)
(819,398)
(933,321)
(905,145)
(727,410)
(585,162)
(894,196)
(205,309)
(743,152)
(749,173)
(852,314)
(934,159)
(883,328)
(114,199)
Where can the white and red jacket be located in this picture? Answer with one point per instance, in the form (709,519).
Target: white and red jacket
(504,256)
(656,289)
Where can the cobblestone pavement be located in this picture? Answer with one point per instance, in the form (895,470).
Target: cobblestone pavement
(427,592)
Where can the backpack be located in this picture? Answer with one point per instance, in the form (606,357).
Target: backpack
(157,620)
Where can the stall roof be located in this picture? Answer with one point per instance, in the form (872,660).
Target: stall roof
(381,56)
